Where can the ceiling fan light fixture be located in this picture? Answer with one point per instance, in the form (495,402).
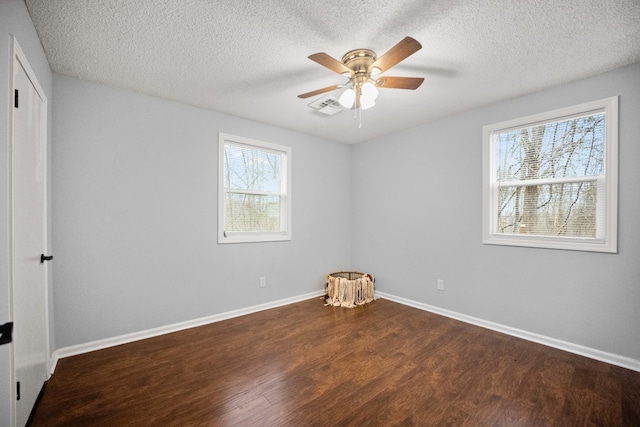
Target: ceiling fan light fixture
(347,98)
(369,91)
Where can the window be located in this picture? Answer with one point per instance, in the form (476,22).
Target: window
(550,180)
(254,195)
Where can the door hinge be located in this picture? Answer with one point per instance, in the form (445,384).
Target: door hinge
(5,333)
(18,390)
(15,98)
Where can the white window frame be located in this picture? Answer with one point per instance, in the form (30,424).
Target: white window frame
(285,194)
(606,239)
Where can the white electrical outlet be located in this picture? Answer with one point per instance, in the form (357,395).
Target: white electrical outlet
(263,282)
(440,285)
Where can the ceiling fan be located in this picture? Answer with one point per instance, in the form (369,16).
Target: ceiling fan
(361,66)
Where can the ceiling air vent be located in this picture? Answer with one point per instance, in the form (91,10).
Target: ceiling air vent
(328,105)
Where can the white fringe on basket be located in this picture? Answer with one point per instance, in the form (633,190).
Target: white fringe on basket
(349,293)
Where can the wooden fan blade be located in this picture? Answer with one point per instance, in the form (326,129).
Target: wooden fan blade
(399,82)
(329,62)
(405,48)
(319,91)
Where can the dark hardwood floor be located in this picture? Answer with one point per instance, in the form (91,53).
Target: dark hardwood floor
(383,364)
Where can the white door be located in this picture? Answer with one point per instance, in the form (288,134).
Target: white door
(29,274)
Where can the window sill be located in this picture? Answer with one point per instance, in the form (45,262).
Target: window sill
(252,237)
(547,242)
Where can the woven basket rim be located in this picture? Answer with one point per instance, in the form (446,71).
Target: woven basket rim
(349,275)
(347,272)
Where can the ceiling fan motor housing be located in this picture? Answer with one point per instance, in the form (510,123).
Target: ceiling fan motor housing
(359,61)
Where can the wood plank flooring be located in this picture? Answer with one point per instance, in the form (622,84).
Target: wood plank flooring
(383,364)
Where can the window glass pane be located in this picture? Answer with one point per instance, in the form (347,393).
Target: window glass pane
(252,169)
(252,213)
(566,209)
(568,148)
(254,190)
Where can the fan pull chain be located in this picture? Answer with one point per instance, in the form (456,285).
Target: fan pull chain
(358,109)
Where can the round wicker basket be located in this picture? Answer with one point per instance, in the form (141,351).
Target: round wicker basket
(349,289)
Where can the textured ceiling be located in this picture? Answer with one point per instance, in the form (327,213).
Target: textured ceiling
(249,58)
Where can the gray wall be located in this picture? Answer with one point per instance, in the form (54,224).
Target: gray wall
(135,191)
(420,198)
(14,20)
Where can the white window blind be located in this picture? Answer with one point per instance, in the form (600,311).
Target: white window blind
(254,191)
(551,179)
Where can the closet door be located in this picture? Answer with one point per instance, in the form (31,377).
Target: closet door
(29,237)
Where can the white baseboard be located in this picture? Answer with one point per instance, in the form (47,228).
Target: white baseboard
(150,333)
(603,356)
(614,359)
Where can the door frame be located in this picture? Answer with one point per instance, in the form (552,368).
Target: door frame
(16,54)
